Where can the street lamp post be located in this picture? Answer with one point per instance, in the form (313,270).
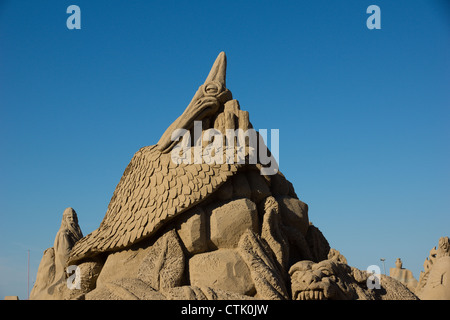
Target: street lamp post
(384,268)
(28,276)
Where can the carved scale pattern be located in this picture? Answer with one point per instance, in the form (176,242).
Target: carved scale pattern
(152,190)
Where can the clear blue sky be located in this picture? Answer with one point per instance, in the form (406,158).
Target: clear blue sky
(364,115)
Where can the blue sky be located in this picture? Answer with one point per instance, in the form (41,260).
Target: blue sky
(363,114)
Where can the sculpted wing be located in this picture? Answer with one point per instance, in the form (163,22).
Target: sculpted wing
(152,190)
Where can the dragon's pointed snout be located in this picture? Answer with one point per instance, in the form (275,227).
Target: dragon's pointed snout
(205,103)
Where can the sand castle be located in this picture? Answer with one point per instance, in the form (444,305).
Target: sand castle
(180,229)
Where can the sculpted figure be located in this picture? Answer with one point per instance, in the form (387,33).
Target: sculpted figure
(405,276)
(398,263)
(434,283)
(333,279)
(69,233)
(154,189)
(212,216)
(204,215)
(51,276)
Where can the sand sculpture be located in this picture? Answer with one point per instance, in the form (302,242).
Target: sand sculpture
(403,275)
(434,282)
(51,279)
(334,279)
(189,230)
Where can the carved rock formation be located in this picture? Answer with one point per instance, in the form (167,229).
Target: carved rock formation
(192,230)
(229,222)
(222,269)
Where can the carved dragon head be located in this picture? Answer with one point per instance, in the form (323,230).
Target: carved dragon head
(205,103)
(326,280)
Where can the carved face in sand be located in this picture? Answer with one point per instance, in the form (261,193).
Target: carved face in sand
(320,281)
(70,223)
